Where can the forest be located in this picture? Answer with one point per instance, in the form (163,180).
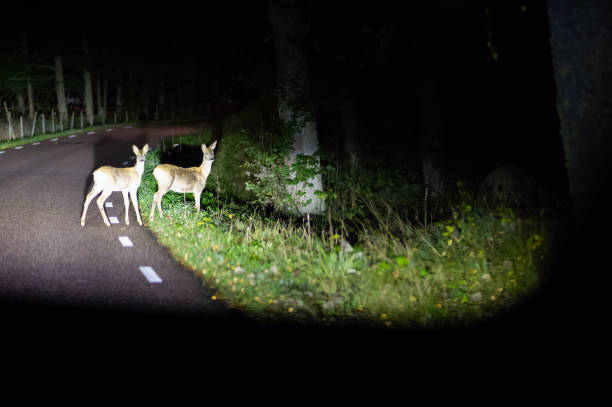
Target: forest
(387,164)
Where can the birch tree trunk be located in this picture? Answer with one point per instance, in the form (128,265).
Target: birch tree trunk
(60,90)
(581,43)
(293,95)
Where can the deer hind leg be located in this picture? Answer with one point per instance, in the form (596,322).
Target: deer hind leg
(135,205)
(103,197)
(157,198)
(153,204)
(95,190)
(126,204)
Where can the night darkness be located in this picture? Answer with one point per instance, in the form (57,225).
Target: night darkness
(495,99)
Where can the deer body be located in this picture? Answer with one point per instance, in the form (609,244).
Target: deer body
(179,179)
(127,180)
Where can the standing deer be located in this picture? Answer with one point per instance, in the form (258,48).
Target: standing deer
(127,180)
(179,179)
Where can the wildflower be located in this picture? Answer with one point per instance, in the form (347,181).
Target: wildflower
(290,309)
(438,305)
(214,297)
(388,324)
(413,298)
(493,298)
(383,316)
(396,273)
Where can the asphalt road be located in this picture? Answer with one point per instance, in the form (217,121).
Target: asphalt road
(47,259)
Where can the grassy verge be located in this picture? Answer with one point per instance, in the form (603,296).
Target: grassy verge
(466,269)
(41,137)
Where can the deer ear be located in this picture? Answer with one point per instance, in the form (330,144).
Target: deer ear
(213,145)
(135,149)
(145,148)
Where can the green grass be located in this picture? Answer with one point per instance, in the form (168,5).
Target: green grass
(459,271)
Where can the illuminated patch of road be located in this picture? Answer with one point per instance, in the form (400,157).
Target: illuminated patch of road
(125,241)
(150,274)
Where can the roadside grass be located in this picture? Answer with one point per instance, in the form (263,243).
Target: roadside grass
(41,137)
(394,272)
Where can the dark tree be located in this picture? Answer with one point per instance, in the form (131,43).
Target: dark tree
(581,41)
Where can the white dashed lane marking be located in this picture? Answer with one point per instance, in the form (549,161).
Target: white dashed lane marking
(113,219)
(73,136)
(108,204)
(35,144)
(125,241)
(150,274)
(53,139)
(2,152)
(18,147)
(91,132)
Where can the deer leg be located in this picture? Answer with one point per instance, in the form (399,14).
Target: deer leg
(159,200)
(197,195)
(95,190)
(103,197)
(156,200)
(126,204)
(135,205)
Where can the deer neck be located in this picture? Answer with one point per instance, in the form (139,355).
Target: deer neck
(139,167)
(205,167)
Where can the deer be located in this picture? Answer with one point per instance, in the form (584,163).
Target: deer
(179,179)
(108,179)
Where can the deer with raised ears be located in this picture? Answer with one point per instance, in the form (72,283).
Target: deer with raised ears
(127,180)
(178,179)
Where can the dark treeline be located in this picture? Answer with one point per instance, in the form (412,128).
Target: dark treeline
(460,86)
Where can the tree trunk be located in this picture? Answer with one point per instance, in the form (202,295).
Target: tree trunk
(294,104)
(59,87)
(89,104)
(119,99)
(434,161)
(581,43)
(30,93)
(104,100)
(88,91)
(349,127)
(99,94)
(162,91)
(20,103)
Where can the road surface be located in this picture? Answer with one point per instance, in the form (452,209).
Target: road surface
(47,259)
